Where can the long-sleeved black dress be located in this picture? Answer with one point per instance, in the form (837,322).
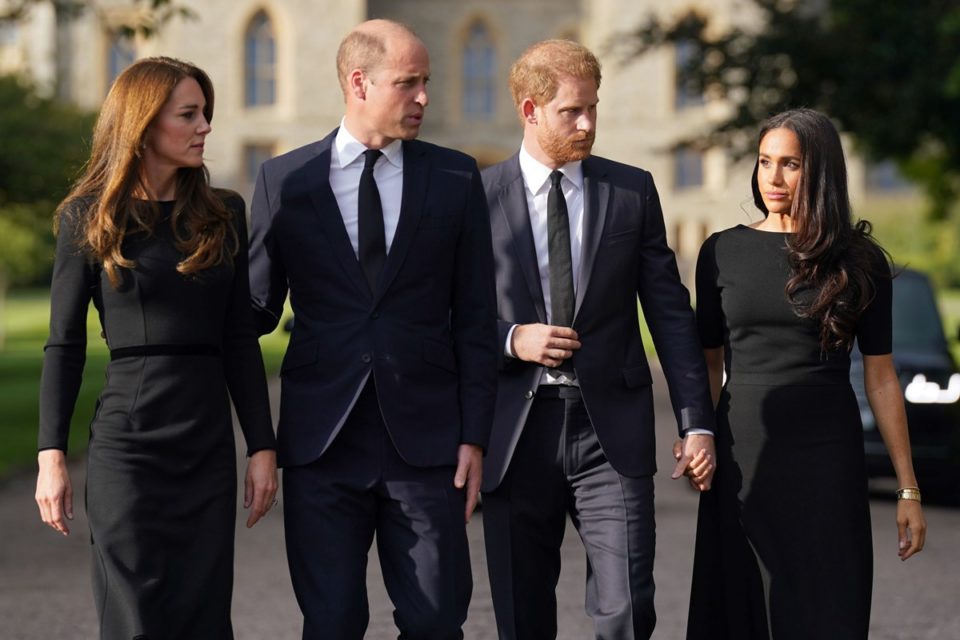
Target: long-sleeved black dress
(784,535)
(161,473)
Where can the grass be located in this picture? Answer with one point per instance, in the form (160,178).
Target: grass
(20,363)
(26,322)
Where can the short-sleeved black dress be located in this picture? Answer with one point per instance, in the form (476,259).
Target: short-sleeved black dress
(784,535)
(161,473)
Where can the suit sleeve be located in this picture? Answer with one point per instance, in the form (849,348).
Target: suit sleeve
(666,307)
(242,359)
(268,277)
(474,319)
(64,355)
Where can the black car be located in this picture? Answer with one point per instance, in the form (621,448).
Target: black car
(931,386)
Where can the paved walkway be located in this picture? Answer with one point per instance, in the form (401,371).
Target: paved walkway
(45,590)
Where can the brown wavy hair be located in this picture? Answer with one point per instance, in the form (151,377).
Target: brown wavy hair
(830,256)
(114,174)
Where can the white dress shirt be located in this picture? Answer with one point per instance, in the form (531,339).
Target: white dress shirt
(536,181)
(346,165)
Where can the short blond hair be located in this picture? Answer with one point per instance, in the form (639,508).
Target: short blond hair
(536,73)
(365,47)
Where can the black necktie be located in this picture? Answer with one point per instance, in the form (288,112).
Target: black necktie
(561,265)
(372,241)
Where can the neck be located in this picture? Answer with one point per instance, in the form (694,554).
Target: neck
(366,137)
(536,152)
(157,183)
(777,222)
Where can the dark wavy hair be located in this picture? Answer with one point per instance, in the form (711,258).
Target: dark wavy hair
(830,257)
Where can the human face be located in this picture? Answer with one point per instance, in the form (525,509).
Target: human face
(779,169)
(395,93)
(175,138)
(566,126)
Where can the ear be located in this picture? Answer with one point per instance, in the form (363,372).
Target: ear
(529,111)
(356,82)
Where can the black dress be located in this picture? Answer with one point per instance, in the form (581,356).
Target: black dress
(161,473)
(784,535)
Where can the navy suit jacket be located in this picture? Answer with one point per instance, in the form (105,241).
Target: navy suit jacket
(625,257)
(427,334)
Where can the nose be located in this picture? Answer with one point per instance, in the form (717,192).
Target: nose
(204,127)
(775,175)
(422,98)
(586,122)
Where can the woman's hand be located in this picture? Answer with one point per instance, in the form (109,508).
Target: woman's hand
(260,484)
(54,490)
(911,528)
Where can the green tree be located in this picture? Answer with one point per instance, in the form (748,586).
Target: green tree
(886,72)
(44,147)
(152,16)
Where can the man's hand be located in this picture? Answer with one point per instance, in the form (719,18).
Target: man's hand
(696,459)
(544,344)
(469,474)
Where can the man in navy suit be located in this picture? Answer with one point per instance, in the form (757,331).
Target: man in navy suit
(577,241)
(389,380)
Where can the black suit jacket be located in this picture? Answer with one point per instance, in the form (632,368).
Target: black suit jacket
(624,256)
(427,335)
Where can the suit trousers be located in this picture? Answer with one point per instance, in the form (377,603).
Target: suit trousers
(361,487)
(559,469)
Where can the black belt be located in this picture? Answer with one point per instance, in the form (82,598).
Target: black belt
(565,391)
(165,350)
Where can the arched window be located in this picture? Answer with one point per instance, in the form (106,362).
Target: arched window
(260,62)
(479,73)
(120,55)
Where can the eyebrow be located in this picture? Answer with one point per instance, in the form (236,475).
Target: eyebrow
(767,155)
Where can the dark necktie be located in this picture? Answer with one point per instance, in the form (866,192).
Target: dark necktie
(372,241)
(561,265)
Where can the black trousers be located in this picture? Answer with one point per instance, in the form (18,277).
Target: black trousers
(558,469)
(359,488)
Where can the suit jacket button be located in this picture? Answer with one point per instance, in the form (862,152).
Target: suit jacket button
(528,395)
(367,359)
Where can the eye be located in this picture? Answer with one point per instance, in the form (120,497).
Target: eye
(764,163)
(793,164)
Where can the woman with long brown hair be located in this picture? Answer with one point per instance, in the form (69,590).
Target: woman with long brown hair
(783,540)
(163,257)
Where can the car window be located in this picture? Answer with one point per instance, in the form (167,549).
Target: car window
(916,320)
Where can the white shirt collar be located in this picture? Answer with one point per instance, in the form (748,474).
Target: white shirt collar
(349,149)
(536,174)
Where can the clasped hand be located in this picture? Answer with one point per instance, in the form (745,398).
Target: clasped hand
(544,343)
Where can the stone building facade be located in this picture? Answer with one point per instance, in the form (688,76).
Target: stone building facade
(272,62)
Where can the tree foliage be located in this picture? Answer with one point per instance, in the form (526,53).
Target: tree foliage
(45,144)
(886,72)
(152,14)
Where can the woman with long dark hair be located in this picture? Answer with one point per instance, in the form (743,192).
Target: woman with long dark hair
(784,542)
(163,257)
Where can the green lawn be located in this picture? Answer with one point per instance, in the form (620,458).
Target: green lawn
(20,363)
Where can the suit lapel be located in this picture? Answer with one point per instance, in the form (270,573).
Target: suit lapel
(317,172)
(416,176)
(513,207)
(596,201)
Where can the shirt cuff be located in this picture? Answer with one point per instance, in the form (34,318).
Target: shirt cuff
(697,432)
(507,350)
